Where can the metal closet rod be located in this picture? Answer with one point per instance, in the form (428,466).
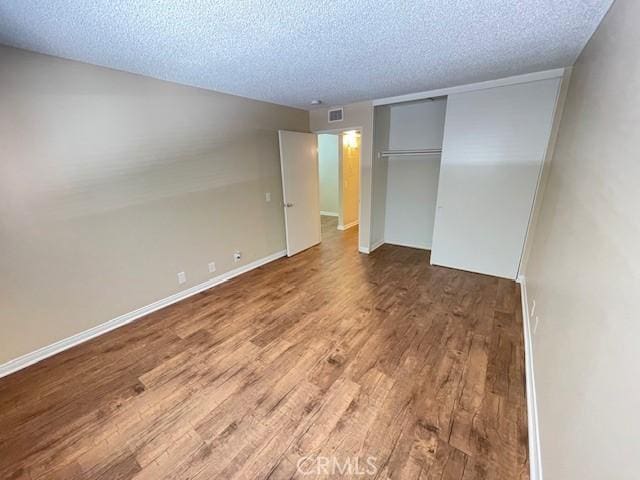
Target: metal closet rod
(397,153)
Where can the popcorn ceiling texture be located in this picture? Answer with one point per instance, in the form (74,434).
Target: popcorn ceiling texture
(293,51)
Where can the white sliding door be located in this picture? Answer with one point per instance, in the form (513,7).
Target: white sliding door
(494,144)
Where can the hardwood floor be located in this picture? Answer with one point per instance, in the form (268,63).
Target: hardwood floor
(412,371)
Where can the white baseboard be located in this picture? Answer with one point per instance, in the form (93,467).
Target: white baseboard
(371,248)
(405,244)
(328,214)
(379,243)
(66,343)
(348,225)
(535,459)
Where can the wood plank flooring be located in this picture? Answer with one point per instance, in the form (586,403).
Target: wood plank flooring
(376,366)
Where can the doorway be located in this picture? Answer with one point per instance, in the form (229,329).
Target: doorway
(339,180)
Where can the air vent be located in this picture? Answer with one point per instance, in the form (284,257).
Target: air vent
(335,115)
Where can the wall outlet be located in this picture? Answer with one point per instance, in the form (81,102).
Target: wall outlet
(237,256)
(267,196)
(182,277)
(212,267)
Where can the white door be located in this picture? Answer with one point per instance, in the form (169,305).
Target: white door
(300,189)
(494,144)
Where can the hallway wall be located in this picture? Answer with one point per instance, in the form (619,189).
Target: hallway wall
(350,181)
(328,162)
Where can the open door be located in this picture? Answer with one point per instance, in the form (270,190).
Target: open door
(300,189)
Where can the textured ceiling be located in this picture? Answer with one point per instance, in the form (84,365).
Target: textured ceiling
(293,51)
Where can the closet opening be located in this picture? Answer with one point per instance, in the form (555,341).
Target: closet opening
(407,153)
(339,178)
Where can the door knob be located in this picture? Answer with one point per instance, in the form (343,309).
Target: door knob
(288,205)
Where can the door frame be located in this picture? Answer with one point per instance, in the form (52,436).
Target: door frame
(339,132)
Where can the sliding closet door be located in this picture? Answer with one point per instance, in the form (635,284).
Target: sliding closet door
(494,145)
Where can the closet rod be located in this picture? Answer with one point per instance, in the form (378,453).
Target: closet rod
(398,153)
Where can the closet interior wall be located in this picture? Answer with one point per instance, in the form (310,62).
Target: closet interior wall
(381,118)
(405,186)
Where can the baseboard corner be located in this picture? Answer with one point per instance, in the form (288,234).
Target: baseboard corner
(347,226)
(377,245)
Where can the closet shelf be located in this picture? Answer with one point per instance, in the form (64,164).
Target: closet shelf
(399,153)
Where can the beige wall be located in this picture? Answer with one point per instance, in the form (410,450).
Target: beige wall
(111,183)
(583,270)
(350,182)
(356,116)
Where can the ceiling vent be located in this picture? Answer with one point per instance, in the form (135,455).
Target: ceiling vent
(335,115)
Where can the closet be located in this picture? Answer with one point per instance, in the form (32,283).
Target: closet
(409,154)
(458,175)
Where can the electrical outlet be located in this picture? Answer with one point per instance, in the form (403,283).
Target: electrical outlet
(212,267)
(267,196)
(237,256)
(182,277)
